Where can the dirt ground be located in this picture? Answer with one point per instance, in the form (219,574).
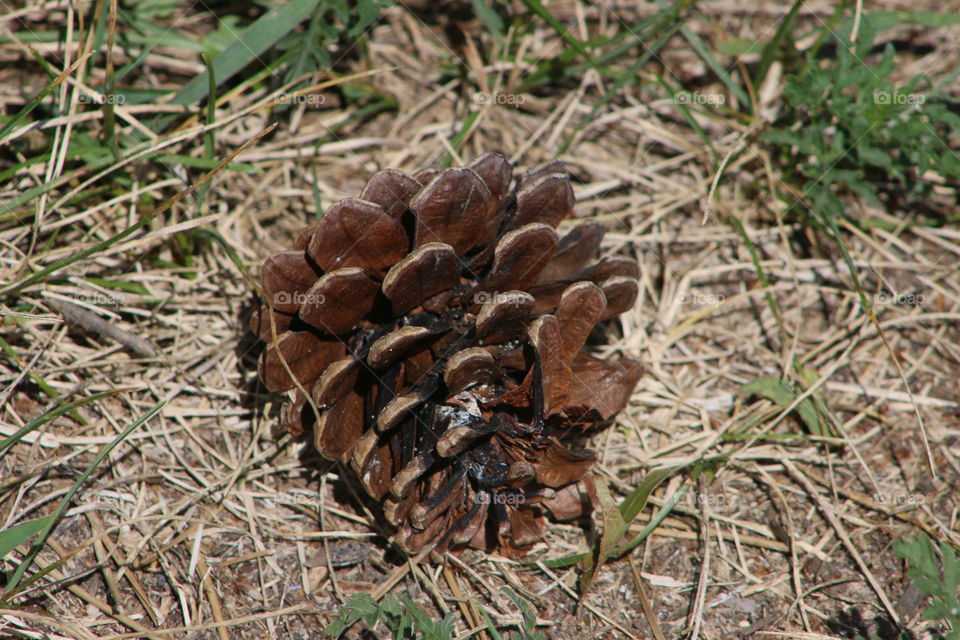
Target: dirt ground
(208,521)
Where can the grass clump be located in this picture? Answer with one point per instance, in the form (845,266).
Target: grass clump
(401,617)
(404,618)
(940,581)
(847,127)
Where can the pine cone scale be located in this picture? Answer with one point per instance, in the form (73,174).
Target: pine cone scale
(582,305)
(392,190)
(545,198)
(520,257)
(285,276)
(340,426)
(453,209)
(428,270)
(575,251)
(357,233)
(336,381)
(393,346)
(306,356)
(504,316)
(339,300)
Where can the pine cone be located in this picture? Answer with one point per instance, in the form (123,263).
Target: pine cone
(437,323)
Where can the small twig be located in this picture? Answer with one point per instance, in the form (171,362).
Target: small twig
(468,607)
(14,619)
(700,595)
(89,598)
(399,573)
(25,369)
(213,597)
(645,602)
(103,557)
(834,521)
(95,324)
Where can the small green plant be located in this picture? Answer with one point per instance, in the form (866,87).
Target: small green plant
(940,581)
(812,411)
(308,50)
(37,531)
(848,128)
(527,629)
(404,619)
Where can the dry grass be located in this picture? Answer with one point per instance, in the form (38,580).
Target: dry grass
(207,522)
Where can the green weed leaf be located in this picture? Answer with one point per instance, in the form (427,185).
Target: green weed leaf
(782,393)
(13,537)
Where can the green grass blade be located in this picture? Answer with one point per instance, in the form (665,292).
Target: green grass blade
(490,19)
(491,628)
(254,41)
(37,276)
(615,527)
(204,163)
(632,505)
(667,26)
(528,628)
(110,136)
(783,394)
(13,537)
(698,45)
(829,28)
(50,415)
(537,7)
(301,62)
(772,50)
(59,264)
(662,514)
(684,108)
(120,285)
(17,577)
(460,138)
(52,393)
(880,20)
(34,192)
(209,141)
(29,162)
(758,269)
(37,99)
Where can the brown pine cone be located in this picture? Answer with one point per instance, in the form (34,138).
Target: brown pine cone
(437,323)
